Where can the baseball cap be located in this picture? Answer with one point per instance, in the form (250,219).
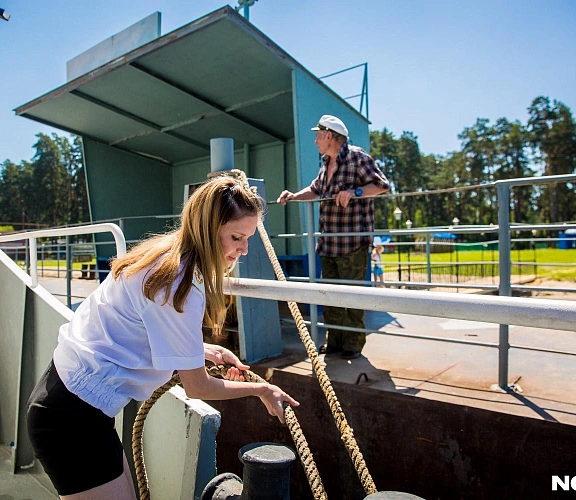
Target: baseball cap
(329,122)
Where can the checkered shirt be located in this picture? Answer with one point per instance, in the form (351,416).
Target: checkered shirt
(355,169)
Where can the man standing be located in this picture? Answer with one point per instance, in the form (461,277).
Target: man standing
(348,174)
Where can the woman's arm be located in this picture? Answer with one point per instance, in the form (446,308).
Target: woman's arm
(198,384)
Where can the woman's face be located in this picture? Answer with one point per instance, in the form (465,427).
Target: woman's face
(234,237)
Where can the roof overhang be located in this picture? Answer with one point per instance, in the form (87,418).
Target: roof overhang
(216,77)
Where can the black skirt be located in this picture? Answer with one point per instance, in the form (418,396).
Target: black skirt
(76,443)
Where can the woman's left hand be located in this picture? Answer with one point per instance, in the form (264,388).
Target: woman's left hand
(221,356)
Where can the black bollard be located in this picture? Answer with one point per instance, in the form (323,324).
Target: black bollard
(392,495)
(266,475)
(266,471)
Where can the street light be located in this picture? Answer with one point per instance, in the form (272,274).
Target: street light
(398,216)
(4,15)
(455,221)
(409,226)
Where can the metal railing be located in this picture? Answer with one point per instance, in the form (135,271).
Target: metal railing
(31,238)
(503,229)
(504,265)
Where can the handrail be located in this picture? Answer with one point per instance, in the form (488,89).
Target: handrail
(32,236)
(541,313)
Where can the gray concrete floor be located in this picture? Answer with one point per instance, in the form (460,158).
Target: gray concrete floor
(545,383)
(27,484)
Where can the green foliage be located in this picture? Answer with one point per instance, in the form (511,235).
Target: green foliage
(49,190)
(546,145)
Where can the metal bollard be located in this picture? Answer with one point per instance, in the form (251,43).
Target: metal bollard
(392,495)
(266,475)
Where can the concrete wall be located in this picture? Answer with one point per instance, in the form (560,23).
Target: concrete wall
(29,323)
(428,448)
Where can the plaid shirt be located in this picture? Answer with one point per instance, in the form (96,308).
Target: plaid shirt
(355,168)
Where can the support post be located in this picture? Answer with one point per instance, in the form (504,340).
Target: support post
(312,271)
(504,288)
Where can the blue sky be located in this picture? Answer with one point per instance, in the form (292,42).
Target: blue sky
(435,66)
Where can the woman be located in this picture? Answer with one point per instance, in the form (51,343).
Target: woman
(125,340)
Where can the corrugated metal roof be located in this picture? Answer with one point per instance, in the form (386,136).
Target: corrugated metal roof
(215,77)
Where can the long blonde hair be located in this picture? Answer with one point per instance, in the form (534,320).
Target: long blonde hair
(195,243)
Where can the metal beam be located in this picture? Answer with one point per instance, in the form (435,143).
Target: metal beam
(136,118)
(208,102)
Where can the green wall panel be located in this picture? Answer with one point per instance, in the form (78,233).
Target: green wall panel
(122,184)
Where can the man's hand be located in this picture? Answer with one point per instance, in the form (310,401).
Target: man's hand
(343,198)
(285,196)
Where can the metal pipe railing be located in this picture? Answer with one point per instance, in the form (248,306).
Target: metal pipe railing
(538,313)
(504,260)
(32,238)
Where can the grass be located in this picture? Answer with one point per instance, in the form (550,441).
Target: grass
(548,260)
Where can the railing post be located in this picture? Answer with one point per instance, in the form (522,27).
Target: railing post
(26,257)
(312,270)
(42,258)
(58,259)
(33,271)
(504,287)
(68,273)
(428,264)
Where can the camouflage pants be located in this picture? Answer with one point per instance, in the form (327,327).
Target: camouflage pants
(351,266)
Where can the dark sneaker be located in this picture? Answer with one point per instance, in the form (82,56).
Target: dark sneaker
(349,354)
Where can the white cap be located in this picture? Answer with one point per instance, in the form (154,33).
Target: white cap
(329,122)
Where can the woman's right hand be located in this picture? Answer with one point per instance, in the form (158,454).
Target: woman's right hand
(273,398)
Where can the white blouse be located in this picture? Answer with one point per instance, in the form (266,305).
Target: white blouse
(120,345)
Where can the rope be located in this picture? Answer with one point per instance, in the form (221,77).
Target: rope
(138,431)
(298,437)
(346,432)
(306,458)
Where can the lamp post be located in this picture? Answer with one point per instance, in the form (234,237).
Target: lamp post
(455,222)
(398,217)
(533,245)
(4,15)
(409,226)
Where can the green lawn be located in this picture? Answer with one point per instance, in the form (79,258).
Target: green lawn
(548,260)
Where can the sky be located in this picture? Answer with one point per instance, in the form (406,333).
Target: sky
(434,66)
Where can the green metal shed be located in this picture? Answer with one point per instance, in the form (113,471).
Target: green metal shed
(146,118)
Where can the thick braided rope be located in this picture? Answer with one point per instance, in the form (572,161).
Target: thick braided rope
(346,431)
(298,437)
(138,432)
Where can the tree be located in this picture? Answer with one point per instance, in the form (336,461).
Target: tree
(478,147)
(51,182)
(511,141)
(15,191)
(553,137)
